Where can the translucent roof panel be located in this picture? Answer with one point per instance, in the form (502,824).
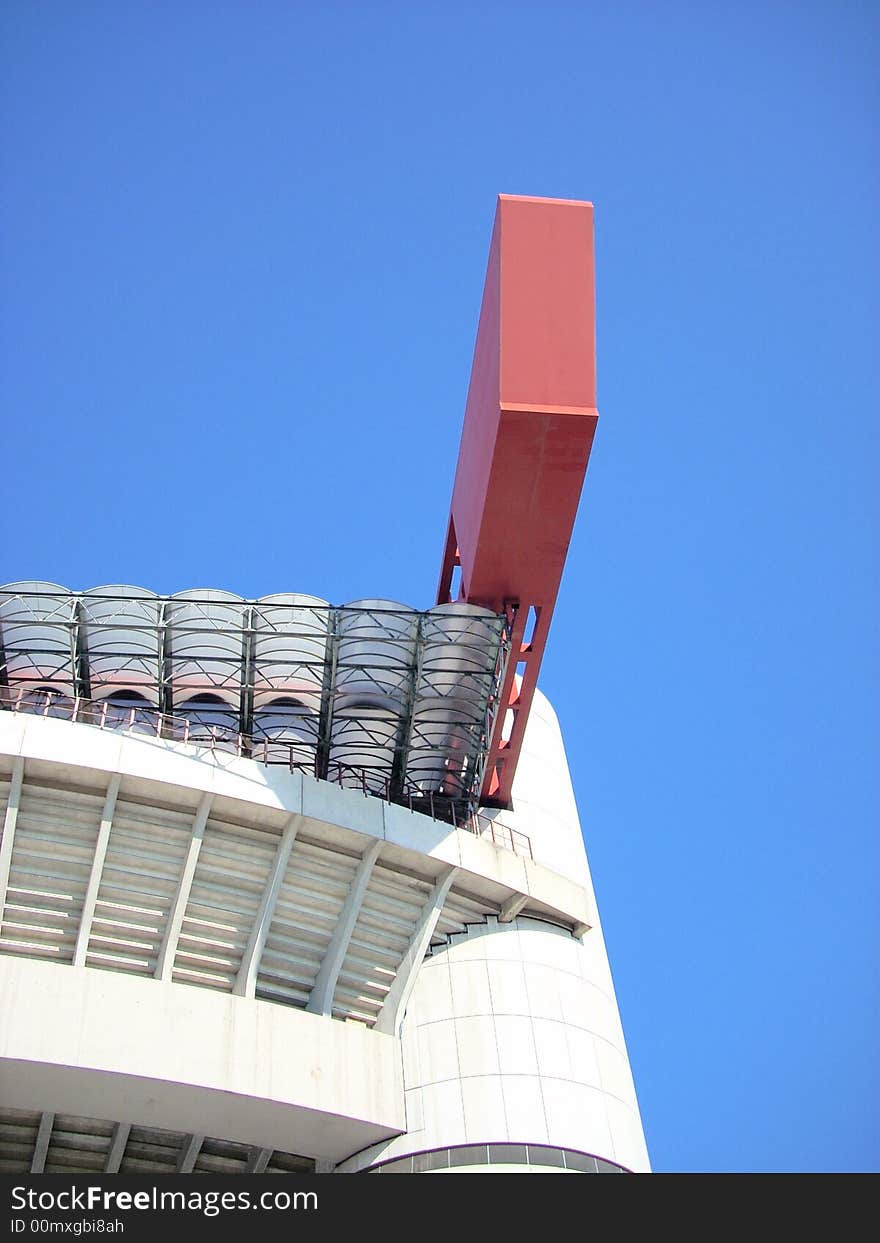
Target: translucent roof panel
(364,739)
(285,732)
(370,693)
(375,653)
(205,644)
(37,626)
(120,626)
(456,676)
(290,641)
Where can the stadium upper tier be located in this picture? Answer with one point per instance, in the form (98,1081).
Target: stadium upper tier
(370,694)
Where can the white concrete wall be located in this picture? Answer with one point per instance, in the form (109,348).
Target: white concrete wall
(512,1033)
(509,1038)
(543,799)
(102,1045)
(76,752)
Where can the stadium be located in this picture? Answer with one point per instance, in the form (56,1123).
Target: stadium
(290,886)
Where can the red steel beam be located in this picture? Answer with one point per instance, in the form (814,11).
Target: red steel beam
(528,430)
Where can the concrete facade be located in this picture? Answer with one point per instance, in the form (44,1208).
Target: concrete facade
(206,946)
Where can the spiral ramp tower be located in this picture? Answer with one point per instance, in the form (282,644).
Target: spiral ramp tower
(288,887)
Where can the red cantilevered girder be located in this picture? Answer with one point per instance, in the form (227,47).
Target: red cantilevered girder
(528,429)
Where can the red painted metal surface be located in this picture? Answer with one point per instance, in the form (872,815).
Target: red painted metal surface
(528,430)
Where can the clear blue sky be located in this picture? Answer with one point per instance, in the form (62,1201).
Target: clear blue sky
(243,248)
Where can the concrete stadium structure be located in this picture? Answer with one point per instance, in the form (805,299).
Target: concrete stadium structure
(288,887)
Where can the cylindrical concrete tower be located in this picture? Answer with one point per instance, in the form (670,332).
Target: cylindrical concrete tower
(513,1051)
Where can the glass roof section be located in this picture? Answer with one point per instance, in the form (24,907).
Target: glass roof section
(370,694)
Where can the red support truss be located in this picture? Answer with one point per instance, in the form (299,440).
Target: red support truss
(528,429)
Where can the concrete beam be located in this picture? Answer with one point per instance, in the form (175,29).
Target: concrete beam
(9,823)
(41,1145)
(189,1153)
(116,1151)
(321,998)
(394,1007)
(165,963)
(258,1160)
(246,980)
(91,898)
(512,907)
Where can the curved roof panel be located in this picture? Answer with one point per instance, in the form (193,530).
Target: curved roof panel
(120,625)
(37,625)
(370,693)
(290,638)
(204,644)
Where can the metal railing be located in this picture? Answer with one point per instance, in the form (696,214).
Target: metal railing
(150,723)
(409,668)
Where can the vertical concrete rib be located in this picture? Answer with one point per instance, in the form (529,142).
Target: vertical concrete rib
(321,998)
(189,1154)
(41,1145)
(91,898)
(246,980)
(165,964)
(9,823)
(116,1151)
(394,1007)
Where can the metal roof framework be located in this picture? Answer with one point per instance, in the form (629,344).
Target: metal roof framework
(370,694)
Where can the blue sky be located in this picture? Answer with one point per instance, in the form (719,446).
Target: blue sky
(243,249)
